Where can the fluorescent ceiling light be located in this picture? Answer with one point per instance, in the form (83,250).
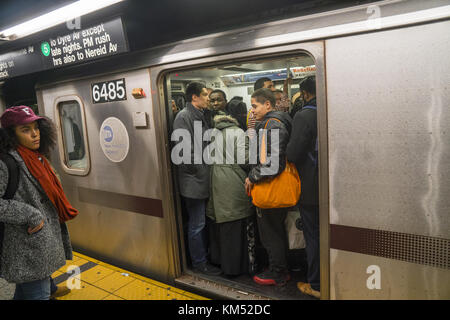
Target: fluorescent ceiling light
(58,16)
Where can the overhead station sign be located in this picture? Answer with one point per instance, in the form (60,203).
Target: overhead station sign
(79,46)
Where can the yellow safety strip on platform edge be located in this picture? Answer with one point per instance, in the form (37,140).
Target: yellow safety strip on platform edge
(101,281)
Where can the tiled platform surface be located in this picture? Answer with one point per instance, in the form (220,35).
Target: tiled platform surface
(100,281)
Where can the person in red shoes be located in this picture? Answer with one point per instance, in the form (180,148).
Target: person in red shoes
(270,222)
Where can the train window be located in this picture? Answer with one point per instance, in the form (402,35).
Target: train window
(74,151)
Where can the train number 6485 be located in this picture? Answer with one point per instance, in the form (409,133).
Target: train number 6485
(108,91)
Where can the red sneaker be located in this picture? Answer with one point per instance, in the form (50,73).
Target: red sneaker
(272,278)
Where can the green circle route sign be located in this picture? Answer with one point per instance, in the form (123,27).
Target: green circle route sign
(45,48)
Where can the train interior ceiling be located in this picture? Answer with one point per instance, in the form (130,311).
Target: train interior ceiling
(237,79)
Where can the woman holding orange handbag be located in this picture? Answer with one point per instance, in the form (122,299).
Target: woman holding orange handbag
(270,164)
(36,241)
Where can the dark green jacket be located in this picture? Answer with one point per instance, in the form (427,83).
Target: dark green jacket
(228,200)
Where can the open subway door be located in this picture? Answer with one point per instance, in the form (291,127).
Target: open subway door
(235,75)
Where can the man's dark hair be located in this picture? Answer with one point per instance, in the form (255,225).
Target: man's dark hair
(219,91)
(194,88)
(308,85)
(260,83)
(264,94)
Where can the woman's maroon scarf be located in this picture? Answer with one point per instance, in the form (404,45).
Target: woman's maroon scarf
(48,181)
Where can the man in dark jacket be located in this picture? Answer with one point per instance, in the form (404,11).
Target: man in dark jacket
(271,221)
(193,177)
(302,151)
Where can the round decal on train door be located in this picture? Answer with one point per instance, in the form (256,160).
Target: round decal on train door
(114,139)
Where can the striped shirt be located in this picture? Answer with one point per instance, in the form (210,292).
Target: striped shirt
(251,124)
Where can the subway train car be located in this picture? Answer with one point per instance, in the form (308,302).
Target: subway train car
(383,91)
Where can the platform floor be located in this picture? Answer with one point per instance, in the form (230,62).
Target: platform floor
(100,281)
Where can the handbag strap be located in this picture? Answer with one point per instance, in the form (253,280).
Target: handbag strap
(13,184)
(262,153)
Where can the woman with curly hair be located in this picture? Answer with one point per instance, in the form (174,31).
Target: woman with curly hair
(35,241)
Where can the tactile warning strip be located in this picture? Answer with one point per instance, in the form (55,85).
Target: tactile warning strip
(92,279)
(64,273)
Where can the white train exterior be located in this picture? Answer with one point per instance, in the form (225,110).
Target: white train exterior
(383,94)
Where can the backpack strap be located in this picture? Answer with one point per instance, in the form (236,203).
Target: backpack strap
(13,175)
(13,184)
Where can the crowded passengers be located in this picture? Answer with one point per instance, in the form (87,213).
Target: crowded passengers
(222,151)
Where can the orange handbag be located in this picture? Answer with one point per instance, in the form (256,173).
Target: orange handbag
(283,191)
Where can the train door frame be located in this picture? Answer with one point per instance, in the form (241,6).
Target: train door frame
(2,98)
(316,50)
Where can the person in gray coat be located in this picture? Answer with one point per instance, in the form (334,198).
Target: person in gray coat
(35,241)
(193,173)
